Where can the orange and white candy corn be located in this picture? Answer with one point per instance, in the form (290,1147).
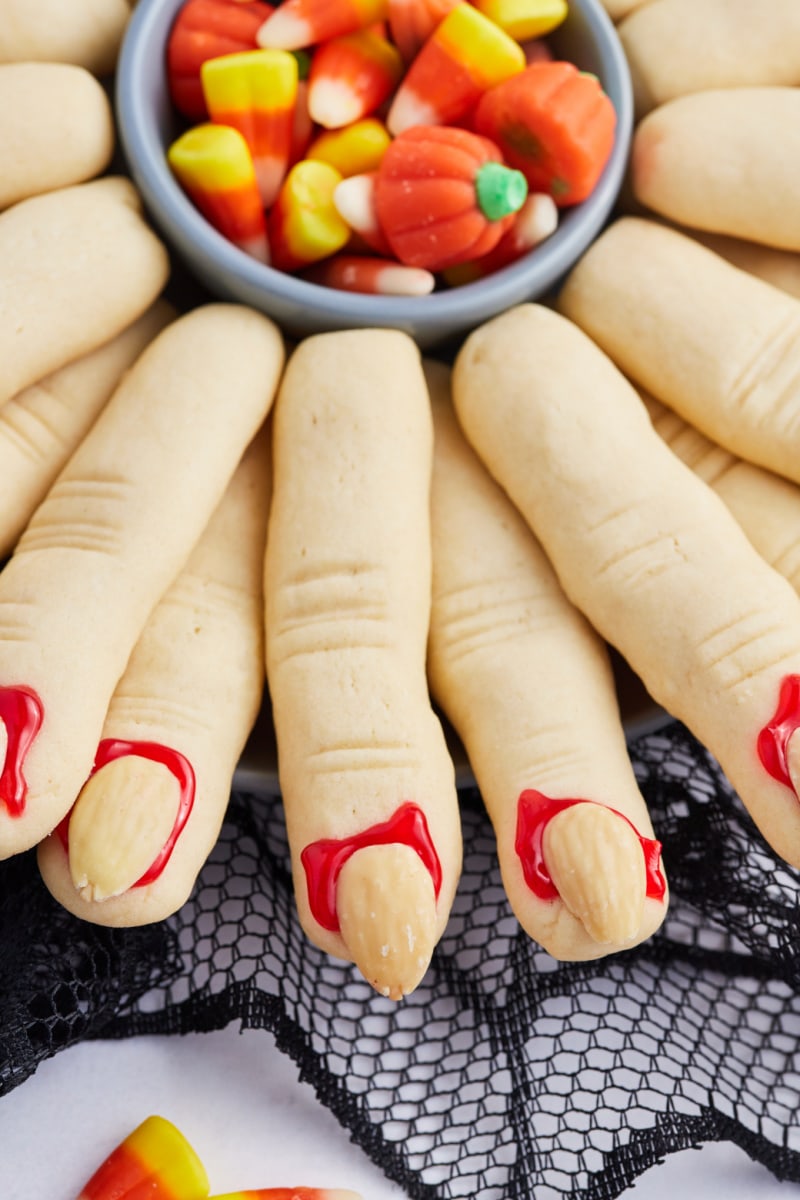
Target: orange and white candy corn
(373,276)
(296,24)
(351,76)
(535,221)
(256,92)
(464,56)
(214,166)
(156,1161)
(355,202)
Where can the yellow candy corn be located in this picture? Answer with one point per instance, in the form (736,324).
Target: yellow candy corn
(354,150)
(255,92)
(155,1159)
(214,166)
(291,1193)
(524,19)
(304,224)
(466,54)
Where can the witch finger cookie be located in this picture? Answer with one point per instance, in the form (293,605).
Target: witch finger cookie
(367,781)
(645,549)
(528,686)
(109,539)
(143,824)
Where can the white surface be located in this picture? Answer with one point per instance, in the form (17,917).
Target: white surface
(238,1101)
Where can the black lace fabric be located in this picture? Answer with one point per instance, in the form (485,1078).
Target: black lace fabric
(506,1074)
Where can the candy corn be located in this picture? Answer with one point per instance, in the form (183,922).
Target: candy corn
(255,92)
(354,199)
(351,76)
(411,22)
(291,1193)
(535,221)
(302,126)
(354,150)
(524,19)
(464,56)
(300,23)
(155,1161)
(202,30)
(374,276)
(215,168)
(304,224)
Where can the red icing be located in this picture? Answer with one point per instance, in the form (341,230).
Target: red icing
(774,738)
(22,714)
(112,748)
(534,810)
(323,860)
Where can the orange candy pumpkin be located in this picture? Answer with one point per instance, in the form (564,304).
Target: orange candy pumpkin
(443,196)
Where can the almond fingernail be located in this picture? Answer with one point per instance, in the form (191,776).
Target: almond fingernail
(386,906)
(595,860)
(121,820)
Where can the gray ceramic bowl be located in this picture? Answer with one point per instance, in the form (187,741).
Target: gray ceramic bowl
(147,125)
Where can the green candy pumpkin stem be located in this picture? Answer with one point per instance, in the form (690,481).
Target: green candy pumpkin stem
(500,190)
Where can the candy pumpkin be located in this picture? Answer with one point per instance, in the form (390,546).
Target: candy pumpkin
(555,124)
(443,196)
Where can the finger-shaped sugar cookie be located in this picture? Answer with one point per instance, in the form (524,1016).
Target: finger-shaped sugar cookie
(56,128)
(144,823)
(781,268)
(703,161)
(766,505)
(618,9)
(367,781)
(80,264)
(109,539)
(644,548)
(675,47)
(528,686)
(87,33)
(42,425)
(719,346)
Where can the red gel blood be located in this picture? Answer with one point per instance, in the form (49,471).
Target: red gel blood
(22,714)
(112,748)
(323,860)
(534,810)
(773,739)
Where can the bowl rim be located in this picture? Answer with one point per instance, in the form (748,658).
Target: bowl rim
(197,241)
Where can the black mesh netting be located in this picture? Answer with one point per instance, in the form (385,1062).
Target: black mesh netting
(506,1074)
